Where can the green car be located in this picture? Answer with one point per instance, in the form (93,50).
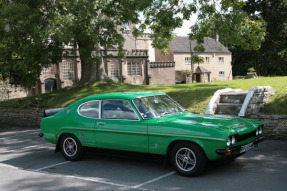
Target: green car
(149,122)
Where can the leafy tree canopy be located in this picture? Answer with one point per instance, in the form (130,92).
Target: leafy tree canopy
(271,57)
(33,33)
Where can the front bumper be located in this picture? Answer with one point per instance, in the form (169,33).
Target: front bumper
(236,150)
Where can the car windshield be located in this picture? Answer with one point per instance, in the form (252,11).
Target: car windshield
(157,106)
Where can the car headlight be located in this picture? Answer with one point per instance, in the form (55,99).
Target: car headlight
(231,141)
(260,131)
(257,132)
(228,141)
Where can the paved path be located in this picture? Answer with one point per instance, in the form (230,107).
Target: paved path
(28,162)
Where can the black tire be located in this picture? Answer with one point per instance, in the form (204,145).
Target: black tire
(71,147)
(188,159)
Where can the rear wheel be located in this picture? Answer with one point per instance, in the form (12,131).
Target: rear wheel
(71,147)
(188,159)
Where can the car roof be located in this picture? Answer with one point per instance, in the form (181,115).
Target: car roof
(123,95)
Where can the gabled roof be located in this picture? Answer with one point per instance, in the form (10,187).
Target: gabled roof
(200,70)
(181,44)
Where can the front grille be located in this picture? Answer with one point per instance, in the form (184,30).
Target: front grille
(246,136)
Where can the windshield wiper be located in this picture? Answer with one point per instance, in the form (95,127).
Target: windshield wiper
(165,113)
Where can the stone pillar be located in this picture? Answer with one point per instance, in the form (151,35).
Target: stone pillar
(201,78)
(76,78)
(146,72)
(120,69)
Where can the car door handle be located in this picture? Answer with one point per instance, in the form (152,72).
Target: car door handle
(101,123)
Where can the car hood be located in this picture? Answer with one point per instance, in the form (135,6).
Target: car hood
(229,125)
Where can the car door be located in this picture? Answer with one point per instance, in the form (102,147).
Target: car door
(85,121)
(119,127)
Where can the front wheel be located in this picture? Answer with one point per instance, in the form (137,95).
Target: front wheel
(188,159)
(71,147)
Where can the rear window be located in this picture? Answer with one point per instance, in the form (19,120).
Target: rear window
(90,109)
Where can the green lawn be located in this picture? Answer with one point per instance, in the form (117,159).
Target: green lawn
(194,97)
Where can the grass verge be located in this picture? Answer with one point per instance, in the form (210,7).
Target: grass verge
(194,97)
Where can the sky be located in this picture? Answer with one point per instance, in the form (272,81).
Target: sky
(185,29)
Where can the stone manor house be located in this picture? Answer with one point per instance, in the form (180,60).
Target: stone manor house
(145,65)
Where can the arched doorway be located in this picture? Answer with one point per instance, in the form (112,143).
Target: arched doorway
(50,85)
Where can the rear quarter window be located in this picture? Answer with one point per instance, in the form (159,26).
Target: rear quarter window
(90,109)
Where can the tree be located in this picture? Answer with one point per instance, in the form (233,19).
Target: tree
(271,57)
(33,32)
(195,59)
(229,20)
(26,44)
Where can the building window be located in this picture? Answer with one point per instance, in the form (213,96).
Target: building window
(68,70)
(221,74)
(114,70)
(206,60)
(187,60)
(221,60)
(134,69)
(126,27)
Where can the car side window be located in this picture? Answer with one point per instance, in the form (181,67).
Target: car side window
(118,109)
(90,109)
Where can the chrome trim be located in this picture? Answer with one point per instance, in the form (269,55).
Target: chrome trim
(177,104)
(138,109)
(131,132)
(120,119)
(138,132)
(187,136)
(183,109)
(78,110)
(92,129)
(100,110)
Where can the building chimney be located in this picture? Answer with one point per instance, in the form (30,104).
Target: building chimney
(216,37)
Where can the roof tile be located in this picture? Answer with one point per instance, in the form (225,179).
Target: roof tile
(181,44)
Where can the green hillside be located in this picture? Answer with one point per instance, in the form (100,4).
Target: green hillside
(194,97)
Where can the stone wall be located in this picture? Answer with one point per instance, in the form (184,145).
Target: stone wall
(161,73)
(255,99)
(21,117)
(275,126)
(8,91)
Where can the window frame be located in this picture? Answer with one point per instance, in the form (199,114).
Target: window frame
(100,110)
(206,60)
(156,117)
(220,62)
(112,70)
(134,68)
(138,119)
(126,27)
(100,102)
(221,74)
(187,60)
(67,66)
